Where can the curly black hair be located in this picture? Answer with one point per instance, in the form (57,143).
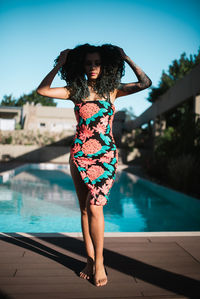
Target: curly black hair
(112,70)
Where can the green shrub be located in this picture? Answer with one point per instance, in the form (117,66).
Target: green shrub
(182,172)
(155,166)
(8,140)
(166,145)
(18,127)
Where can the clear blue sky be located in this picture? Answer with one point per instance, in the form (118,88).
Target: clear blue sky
(152,32)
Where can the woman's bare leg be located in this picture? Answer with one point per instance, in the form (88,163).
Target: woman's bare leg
(82,193)
(96,226)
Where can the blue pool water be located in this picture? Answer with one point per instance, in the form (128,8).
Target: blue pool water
(37,200)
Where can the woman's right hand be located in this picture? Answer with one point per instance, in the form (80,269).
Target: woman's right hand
(63,57)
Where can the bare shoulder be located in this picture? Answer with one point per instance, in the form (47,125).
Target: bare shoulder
(122,90)
(118,92)
(113,96)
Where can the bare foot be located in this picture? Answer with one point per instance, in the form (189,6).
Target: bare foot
(87,272)
(100,277)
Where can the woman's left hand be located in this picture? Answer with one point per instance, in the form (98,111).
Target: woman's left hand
(124,56)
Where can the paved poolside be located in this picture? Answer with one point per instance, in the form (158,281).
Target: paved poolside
(46,266)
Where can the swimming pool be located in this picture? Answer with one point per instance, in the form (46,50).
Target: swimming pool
(39,198)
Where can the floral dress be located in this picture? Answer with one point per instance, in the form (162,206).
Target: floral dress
(93,149)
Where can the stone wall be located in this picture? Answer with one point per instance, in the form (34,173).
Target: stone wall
(35,137)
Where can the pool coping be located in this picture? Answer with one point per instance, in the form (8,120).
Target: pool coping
(6,175)
(106,234)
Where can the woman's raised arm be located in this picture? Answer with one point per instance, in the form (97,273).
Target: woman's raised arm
(45,88)
(143,80)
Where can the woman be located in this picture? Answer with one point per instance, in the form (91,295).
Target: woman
(93,75)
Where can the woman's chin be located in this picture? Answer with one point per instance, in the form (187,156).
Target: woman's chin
(92,78)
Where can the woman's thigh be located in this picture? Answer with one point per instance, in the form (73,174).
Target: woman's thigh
(81,189)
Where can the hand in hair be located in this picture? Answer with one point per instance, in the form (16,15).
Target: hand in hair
(63,57)
(45,88)
(124,56)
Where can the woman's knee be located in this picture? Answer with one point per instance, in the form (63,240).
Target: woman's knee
(93,210)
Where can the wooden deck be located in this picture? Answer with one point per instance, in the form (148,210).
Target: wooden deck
(46,267)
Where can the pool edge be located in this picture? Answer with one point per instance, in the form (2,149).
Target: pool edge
(106,234)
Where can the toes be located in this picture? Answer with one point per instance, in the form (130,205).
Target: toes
(101,282)
(84,275)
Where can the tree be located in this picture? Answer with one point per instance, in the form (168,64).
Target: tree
(130,115)
(176,71)
(8,100)
(35,98)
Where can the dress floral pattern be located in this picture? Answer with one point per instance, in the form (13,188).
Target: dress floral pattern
(93,149)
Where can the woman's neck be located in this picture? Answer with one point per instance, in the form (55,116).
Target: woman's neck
(91,83)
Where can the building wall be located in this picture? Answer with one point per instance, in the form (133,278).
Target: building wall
(7,124)
(53,119)
(48,118)
(9,117)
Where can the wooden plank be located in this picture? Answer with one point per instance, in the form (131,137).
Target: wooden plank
(7,272)
(192,248)
(63,296)
(87,290)
(126,240)
(176,239)
(135,269)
